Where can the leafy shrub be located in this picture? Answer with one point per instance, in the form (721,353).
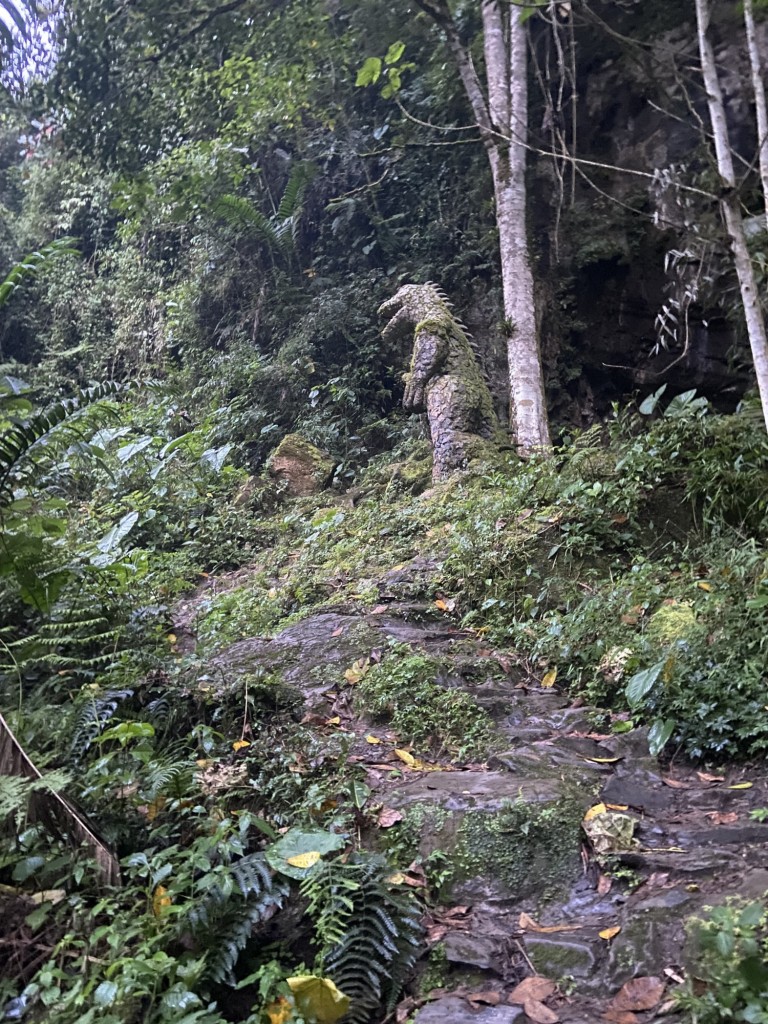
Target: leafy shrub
(730,950)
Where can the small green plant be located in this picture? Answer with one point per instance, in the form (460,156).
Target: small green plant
(731,944)
(404,689)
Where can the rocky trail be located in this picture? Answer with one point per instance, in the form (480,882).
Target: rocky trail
(567,860)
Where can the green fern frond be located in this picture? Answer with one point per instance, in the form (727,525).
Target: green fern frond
(95,712)
(369,932)
(240,213)
(35,260)
(20,441)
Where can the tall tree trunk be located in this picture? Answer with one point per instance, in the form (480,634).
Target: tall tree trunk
(528,408)
(501,114)
(761,111)
(731,209)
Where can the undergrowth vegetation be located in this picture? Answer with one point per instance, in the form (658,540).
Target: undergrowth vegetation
(632,565)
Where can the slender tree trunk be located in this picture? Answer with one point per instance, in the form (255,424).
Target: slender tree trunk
(528,408)
(761,111)
(729,204)
(501,113)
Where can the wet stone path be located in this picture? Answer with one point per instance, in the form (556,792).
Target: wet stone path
(567,861)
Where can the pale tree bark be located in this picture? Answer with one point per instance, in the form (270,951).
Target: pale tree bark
(731,209)
(761,111)
(501,112)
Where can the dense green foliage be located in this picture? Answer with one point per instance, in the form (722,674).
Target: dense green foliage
(199,216)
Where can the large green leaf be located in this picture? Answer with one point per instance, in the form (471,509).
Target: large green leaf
(641,683)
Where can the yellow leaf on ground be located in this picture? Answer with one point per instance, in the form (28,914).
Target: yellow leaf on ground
(594,811)
(373,740)
(406,758)
(398,878)
(529,925)
(617,807)
(741,785)
(304,860)
(160,901)
(357,671)
(279,1012)
(610,933)
(333,721)
(445,606)
(603,760)
(549,678)
(240,744)
(171,638)
(318,998)
(702,585)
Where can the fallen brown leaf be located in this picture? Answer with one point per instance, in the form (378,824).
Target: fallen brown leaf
(389,817)
(338,632)
(528,924)
(610,933)
(675,783)
(710,778)
(379,609)
(485,998)
(658,879)
(436,933)
(620,1017)
(722,817)
(604,884)
(638,994)
(539,1013)
(537,989)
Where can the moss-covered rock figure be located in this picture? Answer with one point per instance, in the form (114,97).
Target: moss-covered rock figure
(300,467)
(444,380)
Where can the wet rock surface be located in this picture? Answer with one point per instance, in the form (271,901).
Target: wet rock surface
(506,832)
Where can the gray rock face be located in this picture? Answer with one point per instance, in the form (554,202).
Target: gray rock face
(453,1010)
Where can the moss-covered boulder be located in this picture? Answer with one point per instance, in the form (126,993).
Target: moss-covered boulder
(299,467)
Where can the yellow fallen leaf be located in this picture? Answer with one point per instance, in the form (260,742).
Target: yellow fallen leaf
(702,585)
(549,678)
(445,606)
(526,923)
(603,760)
(610,933)
(333,721)
(304,860)
(406,758)
(617,807)
(397,568)
(203,762)
(741,785)
(373,740)
(160,901)
(318,998)
(171,638)
(594,811)
(272,592)
(154,808)
(357,671)
(240,744)
(398,878)
(279,1012)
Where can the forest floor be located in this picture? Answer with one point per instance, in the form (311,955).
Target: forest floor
(556,860)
